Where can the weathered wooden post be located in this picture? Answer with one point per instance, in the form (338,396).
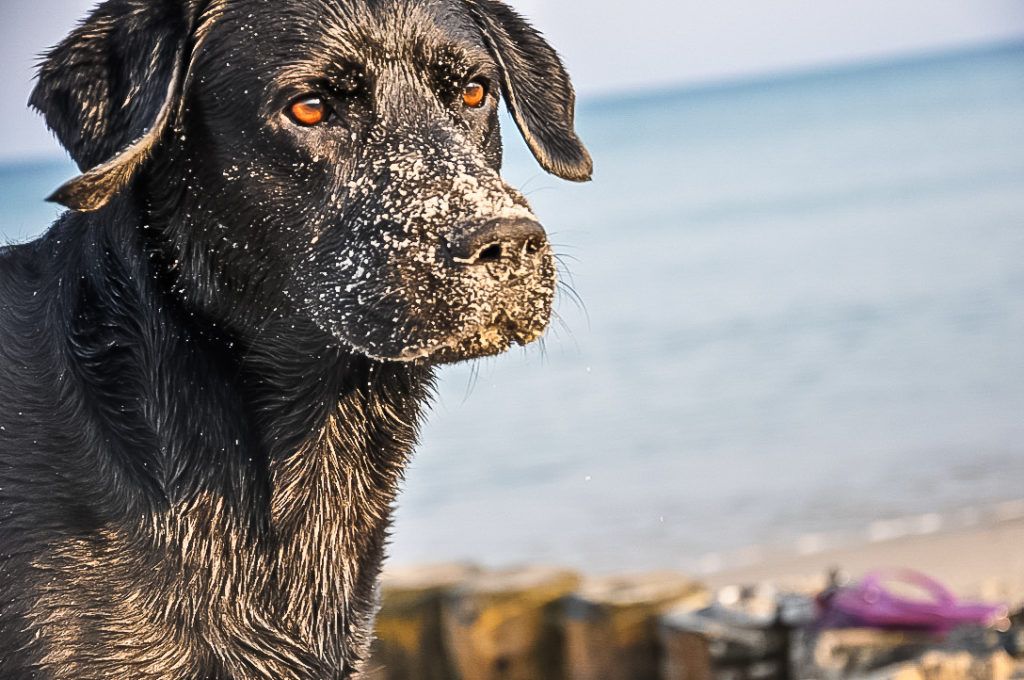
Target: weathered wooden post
(686,655)
(505,625)
(612,624)
(410,639)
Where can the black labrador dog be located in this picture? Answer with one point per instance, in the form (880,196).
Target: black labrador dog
(213,367)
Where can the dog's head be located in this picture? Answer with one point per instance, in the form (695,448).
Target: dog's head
(336,158)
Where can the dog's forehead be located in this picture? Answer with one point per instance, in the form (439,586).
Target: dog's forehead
(365,31)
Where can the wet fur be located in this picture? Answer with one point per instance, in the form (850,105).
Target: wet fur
(202,428)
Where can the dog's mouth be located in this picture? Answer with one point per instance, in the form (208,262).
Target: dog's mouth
(475,343)
(453,325)
(496,338)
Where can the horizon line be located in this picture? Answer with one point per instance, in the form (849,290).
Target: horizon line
(798,73)
(631,95)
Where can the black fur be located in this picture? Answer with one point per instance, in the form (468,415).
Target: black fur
(212,370)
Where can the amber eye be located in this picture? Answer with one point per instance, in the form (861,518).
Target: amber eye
(473,94)
(309,111)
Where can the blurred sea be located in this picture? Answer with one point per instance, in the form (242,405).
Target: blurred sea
(804,313)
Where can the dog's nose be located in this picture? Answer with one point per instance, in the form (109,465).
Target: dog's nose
(498,240)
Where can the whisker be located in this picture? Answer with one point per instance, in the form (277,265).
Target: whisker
(536,191)
(542,349)
(565,327)
(559,245)
(563,261)
(565,273)
(532,178)
(561,257)
(473,381)
(574,297)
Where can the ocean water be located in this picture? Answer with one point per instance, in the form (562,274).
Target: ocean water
(802,313)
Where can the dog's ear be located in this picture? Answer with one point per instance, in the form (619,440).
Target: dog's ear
(536,87)
(111,89)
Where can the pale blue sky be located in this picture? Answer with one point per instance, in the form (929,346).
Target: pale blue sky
(612,45)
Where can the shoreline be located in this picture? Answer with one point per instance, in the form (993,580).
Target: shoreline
(982,561)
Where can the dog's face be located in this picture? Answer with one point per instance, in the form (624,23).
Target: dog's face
(347,154)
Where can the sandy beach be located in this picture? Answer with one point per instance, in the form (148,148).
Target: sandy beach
(980,562)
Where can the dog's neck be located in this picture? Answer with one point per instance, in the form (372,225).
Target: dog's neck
(337,446)
(278,448)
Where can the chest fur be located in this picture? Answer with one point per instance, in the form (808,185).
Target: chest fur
(279,585)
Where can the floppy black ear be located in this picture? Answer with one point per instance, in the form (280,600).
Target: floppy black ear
(537,89)
(110,90)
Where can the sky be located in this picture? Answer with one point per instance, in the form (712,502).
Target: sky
(611,46)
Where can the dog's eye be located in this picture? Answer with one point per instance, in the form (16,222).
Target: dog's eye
(473,94)
(309,111)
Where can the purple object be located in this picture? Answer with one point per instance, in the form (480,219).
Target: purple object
(870,604)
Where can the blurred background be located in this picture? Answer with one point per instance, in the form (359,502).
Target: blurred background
(798,278)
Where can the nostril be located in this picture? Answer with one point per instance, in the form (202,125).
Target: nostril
(491,253)
(497,241)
